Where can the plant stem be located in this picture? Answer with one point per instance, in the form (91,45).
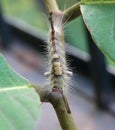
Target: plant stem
(72,12)
(60,104)
(65,118)
(51,6)
(51,93)
(69,14)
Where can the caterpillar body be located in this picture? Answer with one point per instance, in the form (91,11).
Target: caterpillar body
(58,73)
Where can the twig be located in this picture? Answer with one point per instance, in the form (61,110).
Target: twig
(51,6)
(72,12)
(55,92)
(58,102)
(64,116)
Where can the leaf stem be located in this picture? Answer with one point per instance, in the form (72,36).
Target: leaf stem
(72,12)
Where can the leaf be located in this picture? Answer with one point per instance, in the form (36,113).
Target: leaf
(19,105)
(98,1)
(100,20)
(8,77)
(19,109)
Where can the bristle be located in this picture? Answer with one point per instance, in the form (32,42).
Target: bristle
(55,56)
(47,73)
(69,73)
(56,64)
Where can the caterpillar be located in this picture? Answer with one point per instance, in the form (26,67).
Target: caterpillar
(58,72)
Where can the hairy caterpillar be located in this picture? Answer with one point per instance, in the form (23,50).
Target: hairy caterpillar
(58,74)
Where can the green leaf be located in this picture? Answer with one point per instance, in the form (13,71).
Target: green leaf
(98,1)
(100,20)
(19,105)
(19,109)
(8,77)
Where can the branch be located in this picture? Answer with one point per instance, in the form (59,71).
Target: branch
(69,14)
(43,92)
(60,104)
(54,94)
(72,12)
(64,116)
(51,6)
